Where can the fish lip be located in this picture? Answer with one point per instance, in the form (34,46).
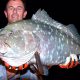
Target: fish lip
(19,61)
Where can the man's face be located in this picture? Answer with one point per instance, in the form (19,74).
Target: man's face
(15,11)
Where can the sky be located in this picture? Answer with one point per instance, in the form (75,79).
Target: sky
(63,11)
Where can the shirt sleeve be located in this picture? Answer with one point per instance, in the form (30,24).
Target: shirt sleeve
(3,75)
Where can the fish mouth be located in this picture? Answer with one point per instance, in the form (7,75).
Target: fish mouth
(9,67)
(13,61)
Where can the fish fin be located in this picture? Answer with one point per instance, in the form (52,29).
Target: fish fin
(42,16)
(73,29)
(73,32)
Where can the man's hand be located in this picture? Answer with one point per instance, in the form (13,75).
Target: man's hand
(71,62)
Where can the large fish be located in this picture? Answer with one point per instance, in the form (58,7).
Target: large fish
(52,40)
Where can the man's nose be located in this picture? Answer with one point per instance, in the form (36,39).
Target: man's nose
(15,10)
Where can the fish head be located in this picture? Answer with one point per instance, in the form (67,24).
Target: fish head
(18,47)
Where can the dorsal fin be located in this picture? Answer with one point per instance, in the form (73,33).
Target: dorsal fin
(42,16)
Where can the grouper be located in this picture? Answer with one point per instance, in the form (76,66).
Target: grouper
(53,41)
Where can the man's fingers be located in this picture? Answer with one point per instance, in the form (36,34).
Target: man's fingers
(73,57)
(66,64)
(74,61)
(71,62)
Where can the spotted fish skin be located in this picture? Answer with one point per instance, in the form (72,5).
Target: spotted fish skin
(53,40)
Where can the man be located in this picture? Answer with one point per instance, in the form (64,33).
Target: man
(15,11)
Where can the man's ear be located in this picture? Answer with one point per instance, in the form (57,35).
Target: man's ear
(25,13)
(5,13)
